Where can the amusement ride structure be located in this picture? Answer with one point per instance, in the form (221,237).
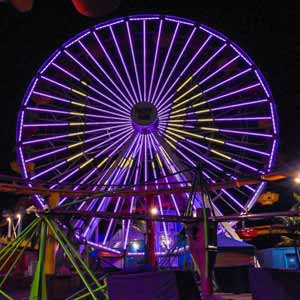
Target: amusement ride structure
(146,117)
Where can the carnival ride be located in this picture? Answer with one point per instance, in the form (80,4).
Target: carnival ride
(139,113)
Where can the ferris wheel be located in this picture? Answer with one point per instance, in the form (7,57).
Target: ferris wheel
(138,99)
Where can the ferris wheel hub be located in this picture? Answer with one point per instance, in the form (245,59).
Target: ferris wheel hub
(144,117)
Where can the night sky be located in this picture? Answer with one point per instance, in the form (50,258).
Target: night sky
(269,34)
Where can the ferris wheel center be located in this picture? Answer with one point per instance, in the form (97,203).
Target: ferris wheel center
(144,116)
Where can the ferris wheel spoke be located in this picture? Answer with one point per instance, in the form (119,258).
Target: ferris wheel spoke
(102,69)
(230,144)
(99,81)
(154,99)
(83,124)
(228,195)
(72,134)
(197,71)
(81,105)
(227,80)
(227,64)
(134,60)
(154,65)
(72,146)
(130,100)
(115,174)
(202,47)
(79,154)
(71,124)
(71,113)
(165,159)
(186,44)
(85,84)
(213,151)
(155,175)
(116,208)
(239,132)
(124,64)
(133,199)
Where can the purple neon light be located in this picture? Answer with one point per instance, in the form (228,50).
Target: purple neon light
(144,60)
(124,64)
(246,133)
(114,68)
(158,197)
(239,105)
(180,21)
(176,63)
(154,65)
(95,90)
(233,93)
(159,89)
(218,70)
(86,151)
(120,116)
(162,102)
(97,79)
(97,27)
(227,80)
(114,175)
(102,69)
(241,54)
(132,198)
(133,59)
(168,163)
(209,60)
(164,64)
(212,33)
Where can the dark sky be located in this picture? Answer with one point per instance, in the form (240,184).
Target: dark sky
(269,33)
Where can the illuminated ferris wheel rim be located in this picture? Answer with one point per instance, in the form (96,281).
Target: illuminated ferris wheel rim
(148,130)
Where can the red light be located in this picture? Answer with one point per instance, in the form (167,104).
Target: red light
(247,234)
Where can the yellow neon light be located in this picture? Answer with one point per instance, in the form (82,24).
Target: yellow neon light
(198,104)
(159,160)
(78,103)
(103,161)
(215,140)
(86,163)
(176,125)
(178,110)
(184,84)
(75,156)
(76,133)
(79,93)
(76,123)
(198,112)
(173,146)
(176,116)
(75,145)
(184,132)
(76,113)
(83,82)
(205,120)
(187,92)
(153,165)
(220,154)
(171,138)
(210,128)
(175,134)
(187,100)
